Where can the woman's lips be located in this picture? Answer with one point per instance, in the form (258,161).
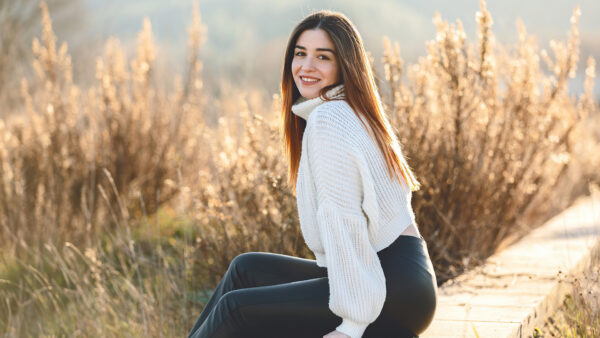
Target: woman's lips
(311,81)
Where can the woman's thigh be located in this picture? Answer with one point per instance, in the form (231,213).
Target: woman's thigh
(266,268)
(250,270)
(294,309)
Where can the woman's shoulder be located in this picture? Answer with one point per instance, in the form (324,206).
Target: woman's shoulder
(333,113)
(336,105)
(336,121)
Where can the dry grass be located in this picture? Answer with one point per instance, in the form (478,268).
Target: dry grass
(120,205)
(579,314)
(71,152)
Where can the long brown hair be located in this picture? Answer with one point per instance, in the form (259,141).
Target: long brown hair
(360,89)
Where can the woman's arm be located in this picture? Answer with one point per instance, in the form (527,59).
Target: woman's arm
(356,279)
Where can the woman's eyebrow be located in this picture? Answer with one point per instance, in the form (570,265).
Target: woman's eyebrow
(318,49)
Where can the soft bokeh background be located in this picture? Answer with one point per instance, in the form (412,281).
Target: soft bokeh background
(246,38)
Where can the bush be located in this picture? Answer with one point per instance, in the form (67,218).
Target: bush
(499,145)
(71,153)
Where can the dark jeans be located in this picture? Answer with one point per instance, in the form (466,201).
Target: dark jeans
(272,295)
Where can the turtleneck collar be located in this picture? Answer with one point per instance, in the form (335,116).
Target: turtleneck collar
(303,107)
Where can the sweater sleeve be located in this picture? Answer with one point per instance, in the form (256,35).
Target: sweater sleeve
(356,279)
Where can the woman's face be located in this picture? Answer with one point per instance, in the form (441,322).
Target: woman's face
(314,65)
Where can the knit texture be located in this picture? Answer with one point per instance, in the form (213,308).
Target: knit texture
(348,206)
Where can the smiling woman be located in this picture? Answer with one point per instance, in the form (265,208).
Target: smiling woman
(372,275)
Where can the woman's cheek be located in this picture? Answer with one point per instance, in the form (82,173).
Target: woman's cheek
(331,72)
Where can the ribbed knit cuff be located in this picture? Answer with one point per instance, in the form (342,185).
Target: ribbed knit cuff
(321,259)
(352,328)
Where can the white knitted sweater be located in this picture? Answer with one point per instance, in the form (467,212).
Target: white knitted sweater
(348,206)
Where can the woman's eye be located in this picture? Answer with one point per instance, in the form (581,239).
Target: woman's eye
(320,57)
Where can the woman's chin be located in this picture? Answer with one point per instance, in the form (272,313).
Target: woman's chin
(310,94)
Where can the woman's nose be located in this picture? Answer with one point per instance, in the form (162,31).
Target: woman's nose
(308,64)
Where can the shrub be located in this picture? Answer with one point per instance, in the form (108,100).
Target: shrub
(495,140)
(64,164)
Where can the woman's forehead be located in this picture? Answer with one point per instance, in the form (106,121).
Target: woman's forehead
(315,39)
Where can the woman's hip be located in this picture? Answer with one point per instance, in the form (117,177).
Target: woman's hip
(411,283)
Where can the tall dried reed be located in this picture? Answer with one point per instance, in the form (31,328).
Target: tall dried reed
(69,154)
(83,174)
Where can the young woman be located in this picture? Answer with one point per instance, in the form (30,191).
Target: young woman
(372,276)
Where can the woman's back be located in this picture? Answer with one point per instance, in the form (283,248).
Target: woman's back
(336,132)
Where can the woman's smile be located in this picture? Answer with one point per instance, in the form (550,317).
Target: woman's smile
(308,81)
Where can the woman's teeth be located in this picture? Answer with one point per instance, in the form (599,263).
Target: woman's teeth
(309,80)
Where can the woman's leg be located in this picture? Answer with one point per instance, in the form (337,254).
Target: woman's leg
(294,309)
(298,307)
(253,269)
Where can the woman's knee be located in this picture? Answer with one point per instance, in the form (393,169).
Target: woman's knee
(241,266)
(238,306)
(244,260)
(229,302)
(228,318)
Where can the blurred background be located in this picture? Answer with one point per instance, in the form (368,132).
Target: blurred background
(246,39)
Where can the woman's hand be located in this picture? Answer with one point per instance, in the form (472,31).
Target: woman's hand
(336,334)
